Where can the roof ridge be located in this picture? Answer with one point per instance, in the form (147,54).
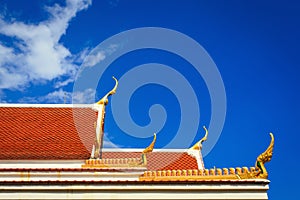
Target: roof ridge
(141,149)
(26,105)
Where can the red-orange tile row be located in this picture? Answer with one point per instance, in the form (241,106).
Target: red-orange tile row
(65,134)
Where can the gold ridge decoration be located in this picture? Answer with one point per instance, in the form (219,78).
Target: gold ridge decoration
(100,108)
(114,163)
(198,175)
(149,149)
(151,146)
(263,158)
(104,99)
(198,145)
(123,162)
(238,173)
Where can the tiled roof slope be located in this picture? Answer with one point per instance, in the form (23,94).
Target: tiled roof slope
(160,160)
(50,133)
(43,133)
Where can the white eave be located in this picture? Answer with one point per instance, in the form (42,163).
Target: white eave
(20,105)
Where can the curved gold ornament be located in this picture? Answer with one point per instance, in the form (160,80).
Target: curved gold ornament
(149,149)
(100,108)
(198,145)
(151,146)
(104,99)
(263,158)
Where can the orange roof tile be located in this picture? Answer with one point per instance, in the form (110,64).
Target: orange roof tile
(50,133)
(43,133)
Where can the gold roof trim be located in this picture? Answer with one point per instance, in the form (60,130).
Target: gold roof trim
(104,99)
(147,150)
(151,146)
(198,145)
(263,158)
(122,162)
(114,163)
(100,107)
(238,173)
(198,175)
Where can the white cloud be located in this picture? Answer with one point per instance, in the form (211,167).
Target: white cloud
(107,143)
(60,96)
(37,55)
(2,96)
(64,82)
(86,96)
(10,79)
(91,60)
(95,57)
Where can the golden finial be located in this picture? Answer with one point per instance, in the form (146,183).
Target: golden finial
(198,145)
(151,146)
(263,158)
(104,99)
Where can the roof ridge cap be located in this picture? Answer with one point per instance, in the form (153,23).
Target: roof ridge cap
(141,149)
(26,105)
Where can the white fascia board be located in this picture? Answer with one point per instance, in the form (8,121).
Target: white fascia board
(258,184)
(28,176)
(21,105)
(26,164)
(136,191)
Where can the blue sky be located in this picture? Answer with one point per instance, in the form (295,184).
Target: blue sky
(254,45)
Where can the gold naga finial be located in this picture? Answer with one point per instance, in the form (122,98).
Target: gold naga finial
(104,99)
(263,158)
(198,145)
(151,146)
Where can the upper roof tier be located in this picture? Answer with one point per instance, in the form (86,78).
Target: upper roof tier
(49,132)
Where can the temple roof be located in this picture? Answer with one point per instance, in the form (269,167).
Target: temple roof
(48,132)
(66,132)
